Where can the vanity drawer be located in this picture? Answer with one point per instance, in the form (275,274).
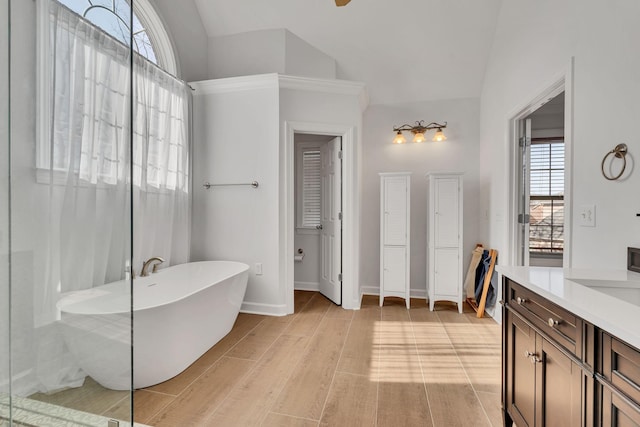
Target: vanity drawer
(621,366)
(559,324)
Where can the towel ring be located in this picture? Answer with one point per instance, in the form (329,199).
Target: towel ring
(620,151)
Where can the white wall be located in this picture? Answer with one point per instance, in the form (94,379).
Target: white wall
(236,140)
(458,154)
(245,54)
(302,59)
(336,109)
(267,51)
(240,223)
(529,55)
(183,23)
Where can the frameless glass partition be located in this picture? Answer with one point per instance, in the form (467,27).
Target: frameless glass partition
(66,217)
(94,179)
(5,391)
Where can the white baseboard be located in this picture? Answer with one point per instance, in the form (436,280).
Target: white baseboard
(306,286)
(264,309)
(375,290)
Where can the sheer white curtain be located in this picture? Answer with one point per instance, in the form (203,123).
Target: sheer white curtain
(160,166)
(82,202)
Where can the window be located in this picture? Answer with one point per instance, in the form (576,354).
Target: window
(546,208)
(309,186)
(84,99)
(150,39)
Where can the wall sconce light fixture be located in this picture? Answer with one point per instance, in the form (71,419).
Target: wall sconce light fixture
(418,130)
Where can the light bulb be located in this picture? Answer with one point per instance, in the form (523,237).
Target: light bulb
(399,139)
(439,136)
(419,137)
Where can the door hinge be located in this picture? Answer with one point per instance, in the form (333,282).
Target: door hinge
(523,218)
(340,216)
(524,141)
(339,277)
(340,154)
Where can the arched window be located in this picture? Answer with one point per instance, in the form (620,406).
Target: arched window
(150,39)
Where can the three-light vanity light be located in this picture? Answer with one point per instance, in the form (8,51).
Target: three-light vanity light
(418,130)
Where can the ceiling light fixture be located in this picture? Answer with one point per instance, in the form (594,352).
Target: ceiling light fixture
(418,131)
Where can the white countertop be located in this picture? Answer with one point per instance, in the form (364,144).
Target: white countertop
(610,299)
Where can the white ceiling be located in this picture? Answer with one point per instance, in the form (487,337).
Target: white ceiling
(404,50)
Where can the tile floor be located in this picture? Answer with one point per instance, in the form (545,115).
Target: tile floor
(325,366)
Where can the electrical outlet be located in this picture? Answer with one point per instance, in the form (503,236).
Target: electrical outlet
(587,215)
(258,269)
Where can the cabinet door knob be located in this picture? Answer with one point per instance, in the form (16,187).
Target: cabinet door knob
(553,322)
(533,357)
(521,301)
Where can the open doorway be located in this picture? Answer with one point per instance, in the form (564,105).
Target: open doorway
(318,214)
(541,184)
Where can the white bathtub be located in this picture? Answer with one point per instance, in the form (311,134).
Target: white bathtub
(178,314)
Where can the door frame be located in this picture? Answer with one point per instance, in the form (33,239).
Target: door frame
(350,208)
(562,83)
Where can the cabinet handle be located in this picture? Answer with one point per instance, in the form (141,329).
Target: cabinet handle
(553,323)
(521,301)
(533,357)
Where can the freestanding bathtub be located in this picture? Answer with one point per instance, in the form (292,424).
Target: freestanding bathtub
(178,314)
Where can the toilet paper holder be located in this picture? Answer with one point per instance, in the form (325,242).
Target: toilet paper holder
(299,256)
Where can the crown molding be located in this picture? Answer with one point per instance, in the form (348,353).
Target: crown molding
(340,87)
(235,84)
(273,80)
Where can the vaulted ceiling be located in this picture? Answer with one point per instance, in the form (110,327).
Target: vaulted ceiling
(404,50)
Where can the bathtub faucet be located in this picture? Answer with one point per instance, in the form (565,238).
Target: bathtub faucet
(156,261)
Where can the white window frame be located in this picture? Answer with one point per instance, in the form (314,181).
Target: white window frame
(301,148)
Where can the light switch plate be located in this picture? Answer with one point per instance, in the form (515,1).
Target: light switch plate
(587,215)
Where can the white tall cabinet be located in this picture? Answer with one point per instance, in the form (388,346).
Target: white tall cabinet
(395,212)
(444,238)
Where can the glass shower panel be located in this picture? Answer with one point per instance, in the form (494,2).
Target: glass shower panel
(70,236)
(5,391)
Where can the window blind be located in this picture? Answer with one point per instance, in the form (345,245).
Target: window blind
(546,231)
(547,169)
(311,197)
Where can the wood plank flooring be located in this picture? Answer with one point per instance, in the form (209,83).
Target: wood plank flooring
(325,366)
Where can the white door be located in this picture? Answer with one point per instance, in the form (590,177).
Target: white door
(524,190)
(447,210)
(331,222)
(395,212)
(395,269)
(447,272)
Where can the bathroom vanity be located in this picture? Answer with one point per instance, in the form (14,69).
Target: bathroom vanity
(570,347)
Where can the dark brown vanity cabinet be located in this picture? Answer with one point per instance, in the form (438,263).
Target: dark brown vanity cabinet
(545,382)
(543,385)
(619,383)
